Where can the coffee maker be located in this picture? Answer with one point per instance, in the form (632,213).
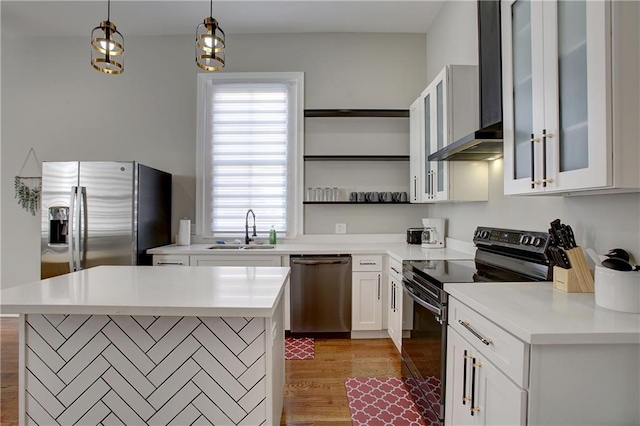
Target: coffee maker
(433,233)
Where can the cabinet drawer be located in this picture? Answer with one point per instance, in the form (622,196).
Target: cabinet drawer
(395,269)
(507,352)
(366,263)
(170,259)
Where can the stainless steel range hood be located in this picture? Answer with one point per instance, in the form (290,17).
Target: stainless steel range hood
(485,143)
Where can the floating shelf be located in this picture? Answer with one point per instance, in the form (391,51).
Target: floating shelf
(356,158)
(356,202)
(356,113)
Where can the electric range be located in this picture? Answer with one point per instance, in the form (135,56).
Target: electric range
(502,255)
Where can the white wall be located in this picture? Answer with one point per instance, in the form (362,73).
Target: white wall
(599,221)
(67,111)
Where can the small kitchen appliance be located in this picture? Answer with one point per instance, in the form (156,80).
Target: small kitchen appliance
(414,235)
(433,233)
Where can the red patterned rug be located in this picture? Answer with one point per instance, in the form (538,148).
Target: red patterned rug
(386,401)
(299,348)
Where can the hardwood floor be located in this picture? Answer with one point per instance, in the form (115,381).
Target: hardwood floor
(314,393)
(9,371)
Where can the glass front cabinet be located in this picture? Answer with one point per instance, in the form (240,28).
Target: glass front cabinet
(560,95)
(446,111)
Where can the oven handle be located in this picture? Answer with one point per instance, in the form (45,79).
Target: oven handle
(429,307)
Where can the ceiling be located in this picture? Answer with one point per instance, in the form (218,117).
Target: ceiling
(151,17)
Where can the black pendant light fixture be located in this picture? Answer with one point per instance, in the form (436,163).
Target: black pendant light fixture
(210,44)
(107,47)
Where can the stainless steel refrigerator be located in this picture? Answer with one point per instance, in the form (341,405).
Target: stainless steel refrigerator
(102,213)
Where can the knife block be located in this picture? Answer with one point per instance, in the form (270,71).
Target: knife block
(566,280)
(578,278)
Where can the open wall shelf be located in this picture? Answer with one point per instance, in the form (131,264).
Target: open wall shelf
(356,113)
(356,158)
(356,202)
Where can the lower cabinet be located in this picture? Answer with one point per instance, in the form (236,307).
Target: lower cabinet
(477,392)
(234,260)
(394,325)
(494,378)
(394,303)
(170,259)
(366,310)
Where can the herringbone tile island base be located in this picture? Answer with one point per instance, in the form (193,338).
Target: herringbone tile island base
(136,370)
(314,392)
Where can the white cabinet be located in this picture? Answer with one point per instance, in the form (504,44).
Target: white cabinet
(447,111)
(234,260)
(367,291)
(503,380)
(394,303)
(477,392)
(170,259)
(416,152)
(571,73)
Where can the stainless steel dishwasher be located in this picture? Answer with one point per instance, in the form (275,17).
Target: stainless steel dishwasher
(320,293)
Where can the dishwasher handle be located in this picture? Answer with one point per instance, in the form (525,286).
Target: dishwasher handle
(321,262)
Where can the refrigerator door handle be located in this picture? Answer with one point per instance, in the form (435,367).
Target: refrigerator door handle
(72,210)
(82,225)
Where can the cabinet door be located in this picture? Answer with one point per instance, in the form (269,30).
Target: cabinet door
(477,392)
(394,326)
(234,260)
(458,389)
(499,401)
(523,90)
(366,313)
(577,61)
(416,151)
(428,136)
(441,134)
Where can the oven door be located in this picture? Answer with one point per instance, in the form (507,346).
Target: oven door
(424,350)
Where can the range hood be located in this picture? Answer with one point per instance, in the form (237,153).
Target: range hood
(485,143)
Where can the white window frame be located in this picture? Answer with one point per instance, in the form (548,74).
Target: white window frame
(294,149)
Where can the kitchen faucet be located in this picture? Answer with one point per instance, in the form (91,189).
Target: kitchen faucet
(246,226)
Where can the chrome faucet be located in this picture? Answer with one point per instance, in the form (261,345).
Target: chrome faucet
(246,226)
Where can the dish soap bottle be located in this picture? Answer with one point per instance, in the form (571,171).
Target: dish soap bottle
(272,235)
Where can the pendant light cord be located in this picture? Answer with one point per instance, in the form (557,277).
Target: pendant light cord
(109,10)
(211,9)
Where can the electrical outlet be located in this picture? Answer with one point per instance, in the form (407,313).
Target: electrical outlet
(341,228)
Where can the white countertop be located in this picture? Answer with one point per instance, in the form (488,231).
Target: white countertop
(538,314)
(398,250)
(147,290)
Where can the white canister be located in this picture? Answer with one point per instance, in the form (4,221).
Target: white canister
(617,290)
(184,233)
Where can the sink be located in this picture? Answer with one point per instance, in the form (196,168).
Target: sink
(241,247)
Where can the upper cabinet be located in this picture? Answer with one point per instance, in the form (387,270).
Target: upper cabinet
(446,111)
(571,92)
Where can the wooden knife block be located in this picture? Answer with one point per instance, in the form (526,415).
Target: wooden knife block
(578,278)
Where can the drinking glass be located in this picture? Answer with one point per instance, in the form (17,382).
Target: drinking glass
(327,194)
(319,194)
(311,194)
(335,194)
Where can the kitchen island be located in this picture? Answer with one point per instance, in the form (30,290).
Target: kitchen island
(144,345)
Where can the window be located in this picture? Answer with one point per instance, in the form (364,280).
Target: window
(249,130)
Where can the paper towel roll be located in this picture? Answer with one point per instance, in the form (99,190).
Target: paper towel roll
(184,233)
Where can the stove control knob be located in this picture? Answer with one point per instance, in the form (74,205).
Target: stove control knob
(522,239)
(525,240)
(484,234)
(538,241)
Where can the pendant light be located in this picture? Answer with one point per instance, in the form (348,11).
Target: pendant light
(210,44)
(107,53)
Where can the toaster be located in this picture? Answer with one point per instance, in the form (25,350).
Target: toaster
(414,235)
